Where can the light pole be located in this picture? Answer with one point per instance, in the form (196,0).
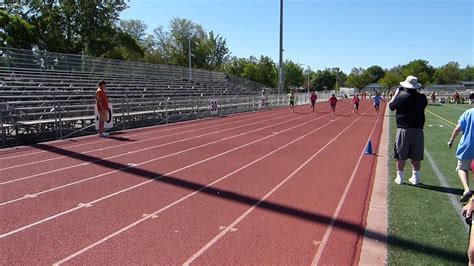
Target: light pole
(280,64)
(337,79)
(189,59)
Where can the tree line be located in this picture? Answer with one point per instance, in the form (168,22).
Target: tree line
(93,27)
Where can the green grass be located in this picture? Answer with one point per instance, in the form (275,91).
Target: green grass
(424,227)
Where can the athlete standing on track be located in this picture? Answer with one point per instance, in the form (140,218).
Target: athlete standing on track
(102,107)
(410,117)
(313,99)
(332,103)
(291,99)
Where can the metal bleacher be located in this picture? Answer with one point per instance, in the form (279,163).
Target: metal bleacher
(46,96)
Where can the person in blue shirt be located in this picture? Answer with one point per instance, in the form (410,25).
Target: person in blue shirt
(465,150)
(377,99)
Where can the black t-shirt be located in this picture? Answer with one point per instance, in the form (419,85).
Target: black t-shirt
(410,106)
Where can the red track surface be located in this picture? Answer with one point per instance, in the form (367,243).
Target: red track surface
(271,187)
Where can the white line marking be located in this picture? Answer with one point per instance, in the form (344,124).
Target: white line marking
(136,151)
(226,227)
(321,247)
(126,144)
(168,127)
(442,180)
(186,197)
(245,214)
(158,177)
(152,160)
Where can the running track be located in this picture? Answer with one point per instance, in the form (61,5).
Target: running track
(270,187)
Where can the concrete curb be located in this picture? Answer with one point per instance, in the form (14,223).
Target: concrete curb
(374,250)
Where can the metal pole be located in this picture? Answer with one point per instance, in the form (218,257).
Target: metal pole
(189,58)
(280,62)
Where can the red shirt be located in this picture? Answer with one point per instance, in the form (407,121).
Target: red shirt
(333,100)
(313,97)
(355,100)
(101,100)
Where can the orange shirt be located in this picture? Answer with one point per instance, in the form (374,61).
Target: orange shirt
(101,100)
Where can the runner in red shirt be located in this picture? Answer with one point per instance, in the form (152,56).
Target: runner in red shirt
(313,99)
(332,103)
(355,102)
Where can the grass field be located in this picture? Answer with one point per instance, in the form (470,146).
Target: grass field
(425,225)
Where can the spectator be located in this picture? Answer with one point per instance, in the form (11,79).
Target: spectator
(467,212)
(410,118)
(456,97)
(465,150)
(471,97)
(102,107)
(433,96)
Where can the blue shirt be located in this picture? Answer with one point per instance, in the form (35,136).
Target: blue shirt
(377,99)
(465,149)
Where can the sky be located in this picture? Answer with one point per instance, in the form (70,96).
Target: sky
(323,34)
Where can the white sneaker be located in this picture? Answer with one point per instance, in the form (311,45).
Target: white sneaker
(413,180)
(399,180)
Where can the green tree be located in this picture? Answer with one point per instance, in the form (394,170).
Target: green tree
(448,74)
(420,69)
(467,74)
(73,26)
(391,79)
(294,76)
(358,78)
(134,28)
(375,73)
(16,32)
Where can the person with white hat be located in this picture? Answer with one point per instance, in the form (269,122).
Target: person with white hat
(410,106)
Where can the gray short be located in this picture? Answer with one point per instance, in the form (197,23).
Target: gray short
(464,165)
(409,144)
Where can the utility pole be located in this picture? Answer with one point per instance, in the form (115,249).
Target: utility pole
(280,63)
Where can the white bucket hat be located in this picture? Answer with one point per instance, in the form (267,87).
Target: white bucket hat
(411,82)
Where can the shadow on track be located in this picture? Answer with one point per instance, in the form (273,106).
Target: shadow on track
(267,205)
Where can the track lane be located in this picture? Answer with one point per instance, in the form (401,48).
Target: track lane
(104,154)
(22,151)
(86,209)
(195,223)
(30,207)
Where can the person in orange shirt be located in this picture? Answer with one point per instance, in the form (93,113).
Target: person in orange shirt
(332,103)
(102,107)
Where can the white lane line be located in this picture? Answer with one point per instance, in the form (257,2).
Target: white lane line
(328,231)
(135,151)
(229,228)
(136,164)
(120,145)
(443,181)
(251,209)
(151,180)
(168,127)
